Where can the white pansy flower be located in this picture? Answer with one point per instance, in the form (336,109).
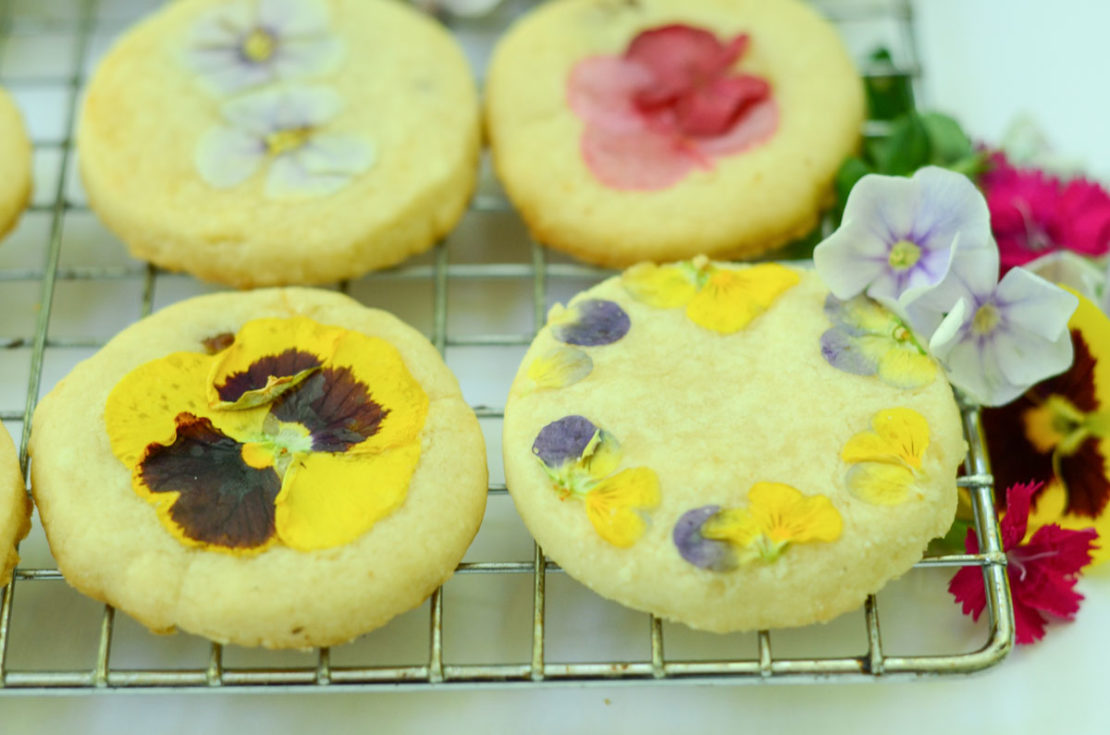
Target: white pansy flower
(283,130)
(249,43)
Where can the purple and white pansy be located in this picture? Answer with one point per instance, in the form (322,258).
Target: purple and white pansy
(245,44)
(923,248)
(284,131)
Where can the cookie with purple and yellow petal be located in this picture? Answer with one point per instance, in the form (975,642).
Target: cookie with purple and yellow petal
(280,142)
(15,152)
(283,468)
(661,129)
(730,447)
(15,507)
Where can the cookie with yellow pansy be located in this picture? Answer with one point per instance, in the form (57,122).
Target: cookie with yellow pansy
(729,446)
(15,152)
(283,468)
(15,507)
(660,129)
(274,142)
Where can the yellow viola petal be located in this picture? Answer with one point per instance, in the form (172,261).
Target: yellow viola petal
(784,514)
(560,367)
(731,299)
(601,456)
(141,409)
(611,506)
(900,436)
(1094,325)
(868,316)
(377,365)
(880,484)
(661,286)
(904,367)
(328,500)
(734,525)
(267,358)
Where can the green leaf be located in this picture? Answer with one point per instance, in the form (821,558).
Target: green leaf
(905,150)
(851,170)
(948,142)
(952,542)
(889,92)
(800,249)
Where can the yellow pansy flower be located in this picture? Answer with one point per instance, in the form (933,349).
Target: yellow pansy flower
(888,459)
(724,300)
(293,432)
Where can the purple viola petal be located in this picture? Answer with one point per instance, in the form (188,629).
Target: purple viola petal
(841,350)
(840,314)
(598,322)
(563,441)
(704,553)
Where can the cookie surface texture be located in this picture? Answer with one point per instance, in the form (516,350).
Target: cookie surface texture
(612,155)
(15,507)
(15,152)
(280,142)
(283,468)
(689,440)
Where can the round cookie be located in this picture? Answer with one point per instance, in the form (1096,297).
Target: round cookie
(284,468)
(274,142)
(15,508)
(614,154)
(15,152)
(688,440)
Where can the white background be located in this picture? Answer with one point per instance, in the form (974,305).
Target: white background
(985,61)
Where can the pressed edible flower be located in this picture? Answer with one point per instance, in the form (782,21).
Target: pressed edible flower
(1058,433)
(580,459)
(1034,213)
(669,104)
(282,130)
(776,516)
(724,300)
(296,433)
(1042,569)
(243,44)
(588,322)
(899,238)
(887,461)
(459,8)
(867,339)
(560,367)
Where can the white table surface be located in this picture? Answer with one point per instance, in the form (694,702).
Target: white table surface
(985,61)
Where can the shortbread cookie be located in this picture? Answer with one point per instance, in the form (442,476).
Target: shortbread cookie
(15,152)
(660,129)
(272,142)
(283,468)
(15,507)
(730,447)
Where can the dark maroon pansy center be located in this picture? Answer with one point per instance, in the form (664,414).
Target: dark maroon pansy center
(283,365)
(335,407)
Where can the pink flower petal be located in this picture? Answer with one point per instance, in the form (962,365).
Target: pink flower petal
(680,56)
(600,92)
(712,108)
(967,587)
(641,160)
(754,128)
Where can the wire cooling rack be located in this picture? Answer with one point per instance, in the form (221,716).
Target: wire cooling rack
(507,617)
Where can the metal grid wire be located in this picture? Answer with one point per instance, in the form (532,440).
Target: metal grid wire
(434,671)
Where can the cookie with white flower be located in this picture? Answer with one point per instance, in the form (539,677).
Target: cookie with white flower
(661,129)
(15,152)
(731,447)
(283,468)
(15,507)
(269,142)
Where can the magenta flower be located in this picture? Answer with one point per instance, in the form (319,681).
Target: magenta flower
(1034,213)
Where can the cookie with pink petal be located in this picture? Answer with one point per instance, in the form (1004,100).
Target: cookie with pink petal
(271,142)
(659,129)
